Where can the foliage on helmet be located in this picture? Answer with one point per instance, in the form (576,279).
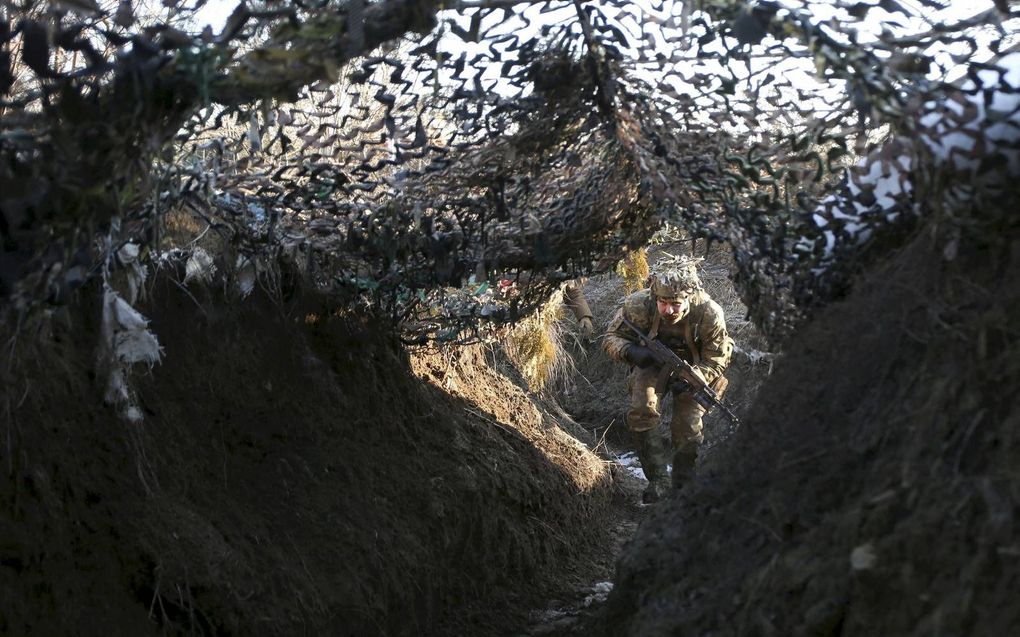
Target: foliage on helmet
(675,277)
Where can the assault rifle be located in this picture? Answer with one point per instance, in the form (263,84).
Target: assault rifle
(680,372)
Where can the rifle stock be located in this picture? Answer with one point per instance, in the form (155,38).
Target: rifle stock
(700,390)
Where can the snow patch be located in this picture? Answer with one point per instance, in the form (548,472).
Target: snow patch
(599,593)
(629,461)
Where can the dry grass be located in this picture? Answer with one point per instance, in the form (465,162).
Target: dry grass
(185,230)
(535,346)
(633,269)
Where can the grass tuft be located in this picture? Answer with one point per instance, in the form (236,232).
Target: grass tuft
(634,270)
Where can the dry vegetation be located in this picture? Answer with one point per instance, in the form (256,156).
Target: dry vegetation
(535,345)
(634,270)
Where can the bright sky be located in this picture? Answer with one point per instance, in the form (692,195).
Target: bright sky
(528,23)
(214,13)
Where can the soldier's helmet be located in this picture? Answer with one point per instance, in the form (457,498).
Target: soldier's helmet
(675,277)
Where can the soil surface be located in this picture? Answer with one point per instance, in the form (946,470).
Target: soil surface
(302,473)
(298,472)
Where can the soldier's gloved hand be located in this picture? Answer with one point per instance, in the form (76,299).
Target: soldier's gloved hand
(587,329)
(699,375)
(639,355)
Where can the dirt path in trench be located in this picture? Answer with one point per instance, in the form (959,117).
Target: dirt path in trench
(595,396)
(572,609)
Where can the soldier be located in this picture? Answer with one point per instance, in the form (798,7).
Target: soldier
(676,310)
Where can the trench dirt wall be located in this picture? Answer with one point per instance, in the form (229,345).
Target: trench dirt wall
(295,473)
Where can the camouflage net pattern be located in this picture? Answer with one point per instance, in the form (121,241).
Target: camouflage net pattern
(409,155)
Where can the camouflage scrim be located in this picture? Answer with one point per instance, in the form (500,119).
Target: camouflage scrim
(362,146)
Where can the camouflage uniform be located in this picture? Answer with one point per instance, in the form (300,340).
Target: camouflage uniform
(573,297)
(702,328)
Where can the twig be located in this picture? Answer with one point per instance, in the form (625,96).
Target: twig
(155,594)
(10,438)
(190,296)
(762,575)
(602,440)
(201,235)
(493,4)
(978,20)
(13,342)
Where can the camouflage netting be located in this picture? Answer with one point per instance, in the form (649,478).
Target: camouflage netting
(409,154)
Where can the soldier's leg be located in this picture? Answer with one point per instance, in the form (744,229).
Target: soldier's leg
(643,413)
(643,421)
(686,431)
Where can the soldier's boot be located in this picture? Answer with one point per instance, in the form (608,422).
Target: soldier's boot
(651,452)
(684,461)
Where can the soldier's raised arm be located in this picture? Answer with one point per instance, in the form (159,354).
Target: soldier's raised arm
(573,297)
(618,336)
